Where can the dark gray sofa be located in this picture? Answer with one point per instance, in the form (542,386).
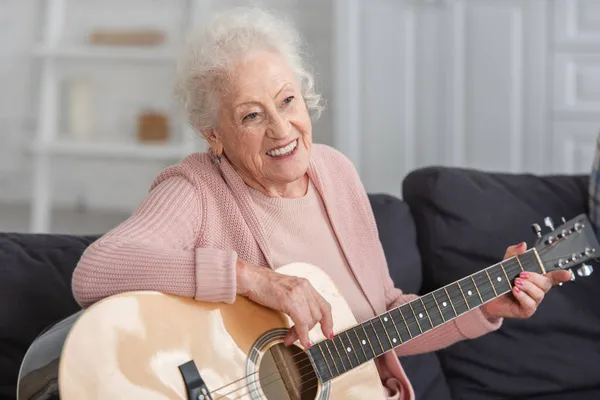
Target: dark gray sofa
(451,222)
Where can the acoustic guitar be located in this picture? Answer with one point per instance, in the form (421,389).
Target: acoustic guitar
(150,345)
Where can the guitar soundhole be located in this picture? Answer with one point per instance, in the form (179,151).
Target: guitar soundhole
(285,373)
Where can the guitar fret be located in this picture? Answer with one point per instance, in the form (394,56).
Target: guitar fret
(477,289)
(505,274)
(520,265)
(364,340)
(411,321)
(403,327)
(445,303)
(438,306)
(491,283)
(416,320)
(340,350)
(391,329)
(469,290)
(377,337)
(433,311)
(361,355)
(333,359)
(349,351)
(396,328)
(463,295)
(450,301)
(426,313)
(386,333)
(324,373)
(484,286)
(500,279)
(368,340)
(540,263)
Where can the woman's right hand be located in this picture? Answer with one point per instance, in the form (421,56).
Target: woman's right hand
(291,295)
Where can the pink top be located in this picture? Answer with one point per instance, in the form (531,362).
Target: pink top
(199,217)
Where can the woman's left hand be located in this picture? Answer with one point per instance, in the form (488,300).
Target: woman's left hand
(528,291)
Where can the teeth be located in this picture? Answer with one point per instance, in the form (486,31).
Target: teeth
(283,150)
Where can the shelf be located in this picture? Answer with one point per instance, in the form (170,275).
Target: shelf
(113,150)
(111,53)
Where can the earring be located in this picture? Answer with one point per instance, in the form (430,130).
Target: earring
(216,157)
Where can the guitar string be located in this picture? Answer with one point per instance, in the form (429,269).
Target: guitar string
(302,376)
(485,293)
(412,324)
(257,381)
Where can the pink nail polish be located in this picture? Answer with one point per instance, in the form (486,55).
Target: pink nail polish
(331,335)
(524,275)
(519,282)
(517,289)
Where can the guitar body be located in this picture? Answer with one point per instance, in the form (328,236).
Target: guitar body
(131,346)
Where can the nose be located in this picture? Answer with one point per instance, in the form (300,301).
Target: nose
(279,127)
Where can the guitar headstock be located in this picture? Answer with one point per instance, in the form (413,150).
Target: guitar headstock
(568,246)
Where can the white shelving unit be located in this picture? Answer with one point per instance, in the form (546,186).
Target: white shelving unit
(49,143)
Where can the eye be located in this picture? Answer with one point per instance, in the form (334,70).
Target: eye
(251,116)
(288,100)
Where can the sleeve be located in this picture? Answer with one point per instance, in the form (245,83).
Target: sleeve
(468,326)
(154,249)
(594,189)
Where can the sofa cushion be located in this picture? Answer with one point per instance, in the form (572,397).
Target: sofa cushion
(398,236)
(35,292)
(466,220)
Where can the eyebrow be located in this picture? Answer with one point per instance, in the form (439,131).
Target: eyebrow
(276,95)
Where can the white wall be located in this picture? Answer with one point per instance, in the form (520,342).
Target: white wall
(505,85)
(499,85)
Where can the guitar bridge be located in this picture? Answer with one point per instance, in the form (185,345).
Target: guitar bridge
(194,384)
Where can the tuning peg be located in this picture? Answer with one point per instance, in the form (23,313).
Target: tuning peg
(585,270)
(563,219)
(572,274)
(549,223)
(537,230)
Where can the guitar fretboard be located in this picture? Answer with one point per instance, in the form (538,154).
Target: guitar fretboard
(370,339)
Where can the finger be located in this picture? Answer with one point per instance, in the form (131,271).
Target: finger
(531,289)
(301,316)
(327,318)
(527,304)
(291,337)
(315,310)
(541,281)
(560,276)
(515,250)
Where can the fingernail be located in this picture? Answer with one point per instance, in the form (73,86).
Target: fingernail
(308,345)
(521,244)
(524,275)
(517,289)
(331,335)
(519,281)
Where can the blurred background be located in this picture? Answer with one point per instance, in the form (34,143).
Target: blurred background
(87,117)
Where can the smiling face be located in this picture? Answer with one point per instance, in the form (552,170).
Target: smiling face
(263,126)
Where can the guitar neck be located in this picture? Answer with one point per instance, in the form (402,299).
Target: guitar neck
(372,338)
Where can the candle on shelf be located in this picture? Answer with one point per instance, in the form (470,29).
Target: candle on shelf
(80,108)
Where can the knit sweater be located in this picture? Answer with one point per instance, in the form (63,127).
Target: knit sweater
(199,217)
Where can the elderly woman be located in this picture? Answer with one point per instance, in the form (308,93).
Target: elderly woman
(217,224)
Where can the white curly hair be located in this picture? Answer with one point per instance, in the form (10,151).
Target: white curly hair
(212,49)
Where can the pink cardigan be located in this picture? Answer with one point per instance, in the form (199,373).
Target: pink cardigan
(187,234)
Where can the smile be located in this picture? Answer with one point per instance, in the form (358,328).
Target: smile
(283,151)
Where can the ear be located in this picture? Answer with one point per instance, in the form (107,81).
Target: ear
(214,141)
